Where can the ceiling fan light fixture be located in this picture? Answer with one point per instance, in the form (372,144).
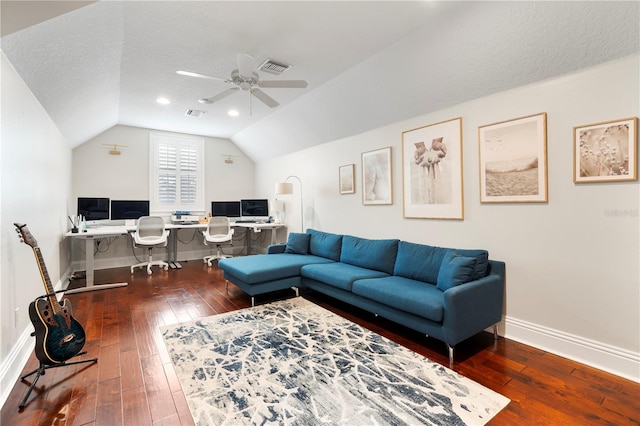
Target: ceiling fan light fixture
(163,101)
(233,112)
(205,101)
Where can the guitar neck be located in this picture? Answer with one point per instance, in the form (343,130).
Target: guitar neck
(46,280)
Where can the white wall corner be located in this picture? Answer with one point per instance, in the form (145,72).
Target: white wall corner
(614,360)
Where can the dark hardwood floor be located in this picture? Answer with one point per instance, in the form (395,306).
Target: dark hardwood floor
(133,382)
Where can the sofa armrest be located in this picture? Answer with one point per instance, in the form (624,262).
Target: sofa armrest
(470,308)
(276,248)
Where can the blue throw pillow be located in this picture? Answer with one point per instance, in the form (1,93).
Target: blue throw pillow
(298,243)
(455,270)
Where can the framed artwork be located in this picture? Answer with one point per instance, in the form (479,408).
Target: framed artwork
(346,179)
(432,171)
(376,177)
(513,160)
(605,152)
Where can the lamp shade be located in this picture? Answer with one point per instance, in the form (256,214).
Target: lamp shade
(284,188)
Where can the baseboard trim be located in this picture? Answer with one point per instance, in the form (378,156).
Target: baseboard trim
(614,360)
(14,363)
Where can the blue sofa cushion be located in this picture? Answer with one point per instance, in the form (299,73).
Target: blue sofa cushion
(407,295)
(340,275)
(325,244)
(267,267)
(422,262)
(455,270)
(482,261)
(298,243)
(419,261)
(379,255)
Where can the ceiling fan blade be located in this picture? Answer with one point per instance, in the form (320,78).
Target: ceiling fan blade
(246,65)
(292,84)
(266,99)
(219,96)
(195,74)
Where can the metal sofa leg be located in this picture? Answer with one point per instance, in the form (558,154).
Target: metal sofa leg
(253,301)
(495,332)
(450,348)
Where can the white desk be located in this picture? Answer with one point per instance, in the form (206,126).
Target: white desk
(111,231)
(257,228)
(89,236)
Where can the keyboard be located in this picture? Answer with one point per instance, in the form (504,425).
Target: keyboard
(245,221)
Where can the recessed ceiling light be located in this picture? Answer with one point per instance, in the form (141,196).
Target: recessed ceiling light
(233,112)
(163,101)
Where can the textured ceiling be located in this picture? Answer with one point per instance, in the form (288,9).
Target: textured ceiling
(367,63)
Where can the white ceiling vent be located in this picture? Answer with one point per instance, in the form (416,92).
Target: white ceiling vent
(273,67)
(195,112)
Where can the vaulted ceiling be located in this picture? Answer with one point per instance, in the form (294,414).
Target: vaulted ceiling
(93,65)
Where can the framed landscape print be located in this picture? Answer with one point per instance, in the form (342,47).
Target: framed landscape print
(432,171)
(346,179)
(513,160)
(376,177)
(605,152)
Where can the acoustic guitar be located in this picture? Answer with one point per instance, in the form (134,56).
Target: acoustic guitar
(59,336)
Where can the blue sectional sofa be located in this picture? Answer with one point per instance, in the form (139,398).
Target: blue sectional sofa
(449,294)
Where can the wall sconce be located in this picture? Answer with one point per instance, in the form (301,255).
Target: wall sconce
(115,150)
(284,187)
(229,158)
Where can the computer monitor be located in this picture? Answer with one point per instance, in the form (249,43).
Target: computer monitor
(225,208)
(129,209)
(93,208)
(254,209)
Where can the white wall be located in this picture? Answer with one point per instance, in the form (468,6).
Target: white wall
(573,284)
(36,187)
(96,173)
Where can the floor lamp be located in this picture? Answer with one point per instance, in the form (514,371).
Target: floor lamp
(285,187)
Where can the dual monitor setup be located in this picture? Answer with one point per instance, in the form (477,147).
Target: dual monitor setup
(100,208)
(243,210)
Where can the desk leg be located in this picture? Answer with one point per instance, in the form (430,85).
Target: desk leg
(173,250)
(248,237)
(89,269)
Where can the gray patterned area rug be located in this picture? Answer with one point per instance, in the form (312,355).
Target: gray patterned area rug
(295,363)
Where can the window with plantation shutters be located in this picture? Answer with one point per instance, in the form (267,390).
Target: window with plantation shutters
(176,173)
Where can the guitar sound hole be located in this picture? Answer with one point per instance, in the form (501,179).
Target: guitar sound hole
(69,338)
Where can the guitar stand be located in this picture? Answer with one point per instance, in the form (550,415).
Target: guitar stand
(40,371)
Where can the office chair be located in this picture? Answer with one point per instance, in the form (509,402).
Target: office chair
(218,231)
(150,233)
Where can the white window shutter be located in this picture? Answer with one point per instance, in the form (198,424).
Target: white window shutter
(176,173)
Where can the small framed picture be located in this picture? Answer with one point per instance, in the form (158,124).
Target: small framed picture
(513,160)
(605,152)
(376,177)
(346,179)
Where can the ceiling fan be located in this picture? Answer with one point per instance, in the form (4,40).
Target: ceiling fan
(246,78)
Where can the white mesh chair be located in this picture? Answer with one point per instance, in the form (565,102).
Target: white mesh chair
(150,233)
(218,231)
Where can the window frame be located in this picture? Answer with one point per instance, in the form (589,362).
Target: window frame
(178,141)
